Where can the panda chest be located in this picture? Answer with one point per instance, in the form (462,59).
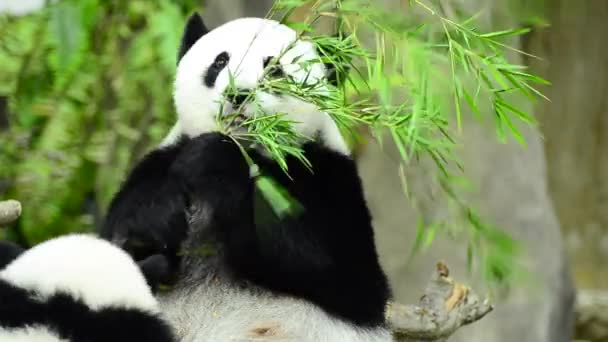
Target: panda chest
(218,311)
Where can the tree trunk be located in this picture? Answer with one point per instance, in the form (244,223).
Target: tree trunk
(575,127)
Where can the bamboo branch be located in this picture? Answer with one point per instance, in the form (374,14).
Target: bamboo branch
(9,211)
(445,306)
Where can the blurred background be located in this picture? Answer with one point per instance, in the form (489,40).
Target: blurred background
(85,90)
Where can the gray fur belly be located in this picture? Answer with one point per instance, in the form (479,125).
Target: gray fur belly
(218,312)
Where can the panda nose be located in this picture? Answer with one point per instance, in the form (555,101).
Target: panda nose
(238,97)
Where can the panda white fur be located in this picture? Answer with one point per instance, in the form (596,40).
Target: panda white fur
(241,276)
(76,288)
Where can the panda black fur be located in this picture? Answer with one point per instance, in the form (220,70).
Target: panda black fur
(315,277)
(78,288)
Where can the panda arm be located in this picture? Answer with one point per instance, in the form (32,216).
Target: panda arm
(327,255)
(147,215)
(9,251)
(156,270)
(215,176)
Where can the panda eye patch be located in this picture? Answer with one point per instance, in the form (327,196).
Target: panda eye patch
(273,70)
(220,62)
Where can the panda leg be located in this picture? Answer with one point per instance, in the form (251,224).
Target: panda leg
(215,176)
(9,251)
(156,270)
(326,255)
(147,215)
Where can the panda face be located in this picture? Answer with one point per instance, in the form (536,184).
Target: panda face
(236,56)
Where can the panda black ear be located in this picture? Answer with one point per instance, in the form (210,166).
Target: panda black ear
(195,28)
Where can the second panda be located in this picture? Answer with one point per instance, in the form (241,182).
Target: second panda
(79,288)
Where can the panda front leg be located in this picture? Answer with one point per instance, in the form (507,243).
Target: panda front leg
(326,255)
(215,177)
(9,251)
(147,215)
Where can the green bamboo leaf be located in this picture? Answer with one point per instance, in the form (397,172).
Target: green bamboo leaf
(506,33)
(400,144)
(504,118)
(530,77)
(420,234)
(500,130)
(458,90)
(525,117)
(429,237)
(283,204)
(300,27)
(470,256)
(470,101)
(518,85)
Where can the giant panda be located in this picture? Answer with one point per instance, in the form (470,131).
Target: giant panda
(78,288)
(310,277)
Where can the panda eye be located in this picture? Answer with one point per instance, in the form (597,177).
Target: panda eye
(214,70)
(273,70)
(221,60)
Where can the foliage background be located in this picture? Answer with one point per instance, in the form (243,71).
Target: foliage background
(87,86)
(79,102)
(90,93)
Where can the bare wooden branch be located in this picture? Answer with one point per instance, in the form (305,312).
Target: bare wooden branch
(9,211)
(445,306)
(591,315)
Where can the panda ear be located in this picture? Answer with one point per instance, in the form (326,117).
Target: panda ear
(195,28)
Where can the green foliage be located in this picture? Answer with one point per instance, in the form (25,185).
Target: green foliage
(89,84)
(407,79)
(90,81)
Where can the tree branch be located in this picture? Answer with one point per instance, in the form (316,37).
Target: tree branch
(9,211)
(445,306)
(591,315)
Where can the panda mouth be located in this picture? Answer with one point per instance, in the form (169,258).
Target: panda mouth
(236,119)
(233,115)
(239,118)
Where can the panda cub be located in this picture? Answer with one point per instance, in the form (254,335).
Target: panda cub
(77,288)
(242,276)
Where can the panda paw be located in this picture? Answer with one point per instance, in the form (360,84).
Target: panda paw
(156,270)
(211,158)
(9,251)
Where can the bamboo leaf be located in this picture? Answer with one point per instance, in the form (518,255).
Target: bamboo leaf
(506,33)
